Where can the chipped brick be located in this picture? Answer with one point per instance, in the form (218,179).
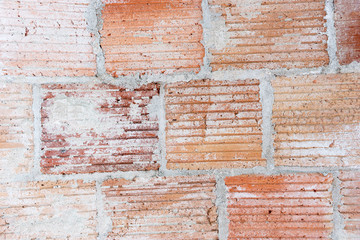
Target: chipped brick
(161,208)
(279,207)
(152,36)
(213,124)
(98,128)
(45,38)
(316,120)
(268,34)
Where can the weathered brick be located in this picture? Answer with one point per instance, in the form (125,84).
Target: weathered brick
(347,23)
(16,130)
(152,36)
(98,128)
(350,203)
(279,207)
(316,120)
(48,210)
(45,38)
(253,34)
(161,208)
(213,124)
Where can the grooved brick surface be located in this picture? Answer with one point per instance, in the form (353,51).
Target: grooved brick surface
(161,208)
(347,24)
(98,128)
(253,34)
(45,38)
(16,129)
(51,210)
(316,120)
(152,36)
(279,207)
(350,203)
(213,124)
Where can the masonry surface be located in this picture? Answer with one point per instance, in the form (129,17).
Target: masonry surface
(188,119)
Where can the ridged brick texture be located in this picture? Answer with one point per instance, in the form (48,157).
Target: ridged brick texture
(213,124)
(45,38)
(16,129)
(350,203)
(150,36)
(48,210)
(269,34)
(98,128)
(316,120)
(347,23)
(161,208)
(279,207)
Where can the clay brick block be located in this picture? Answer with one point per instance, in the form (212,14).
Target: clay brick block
(347,24)
(350,203)
(279,207)
(161,208)
(213,124)
(99,128)
(149,36)
(48,210)
(45,38)
(316,120)
(253,34)
(16,130)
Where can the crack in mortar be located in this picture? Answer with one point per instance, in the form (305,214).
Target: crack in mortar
(338,222)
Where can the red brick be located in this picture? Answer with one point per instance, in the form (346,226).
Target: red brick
(161,208)
(152,36)
(213,124)
(16,130)
(51,210)
(269,34)
(347,24)
(316,120)
(350,203)
(279,207)
(98,128)
(45,38)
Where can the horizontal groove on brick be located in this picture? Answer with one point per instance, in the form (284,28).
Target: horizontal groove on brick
(213,124)
(279,206)
(36,43)
(161,208)
(98,128)
(54,210)
(316,120)
(269,34)
(16,130)
(347,24)
(152,36)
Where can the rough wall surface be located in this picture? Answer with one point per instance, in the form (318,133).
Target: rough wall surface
(187,119)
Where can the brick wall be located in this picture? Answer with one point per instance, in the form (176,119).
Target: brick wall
(188,119)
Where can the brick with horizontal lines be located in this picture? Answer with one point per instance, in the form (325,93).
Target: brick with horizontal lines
(296,206)
(161,208)
(98,128)
(316,120)
(213,124)
(271,34)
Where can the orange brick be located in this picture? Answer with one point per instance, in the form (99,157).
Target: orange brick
(279,207)
(269,34)
(45,38)
(161,208)
(98,128)
(16,130)
(347,24)
(213,124)
(152,36)
(316,120)
(350,203)
(51,210)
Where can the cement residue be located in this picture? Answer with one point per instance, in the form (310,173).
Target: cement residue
(221,204)
(104,222)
